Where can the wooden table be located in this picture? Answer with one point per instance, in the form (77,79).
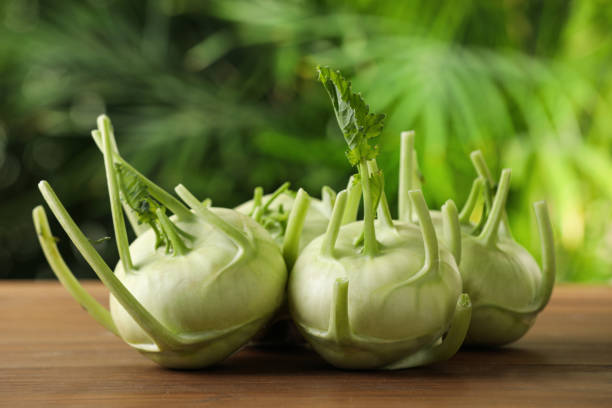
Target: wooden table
(53,353)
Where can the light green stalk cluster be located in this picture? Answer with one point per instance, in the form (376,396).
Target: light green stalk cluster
(199,281)
(507,287)
(192,288)
(377,293)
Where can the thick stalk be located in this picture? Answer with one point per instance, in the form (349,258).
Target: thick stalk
(333,228)
(156,191)
(483,171)
(339,325)
(489,235)
(382,212)
(63,273)
(548,252)
(405,176)
(295,224)
(162,336)
(452,229)
(430,240)
(328,197)
(257,200)
(468,208)
(370,246)
(178,245)
(132,216)
(258,214)
(240,238)
(121,238)
(352,201)
(450,344)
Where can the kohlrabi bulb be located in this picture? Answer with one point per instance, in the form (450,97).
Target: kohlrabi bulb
(382,307)
(507,287)
(376,294)
(192,288)
(294,220)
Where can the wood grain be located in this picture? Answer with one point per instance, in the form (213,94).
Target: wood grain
(54,354)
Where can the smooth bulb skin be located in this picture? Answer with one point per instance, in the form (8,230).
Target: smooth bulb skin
(503,281)
(207,290)
(192,288)
(389,316)
(496,325)
(282,332)
(506,285)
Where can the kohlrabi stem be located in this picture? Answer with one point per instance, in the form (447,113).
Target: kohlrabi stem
(257,200)
(333,227)
(489,235)
(548,252)
(258,214)
(352,201)
(284,187)
(450,344)
(382,211)
(162,336)
(472,200)
(156,191)
(406,175)
(233,233)
(121,237)
(104,122)
(483,171)
(339,325)
(452,229)
(328,197)
(295,224)
(63,273)
(370,246)
(178,246)
(430,240)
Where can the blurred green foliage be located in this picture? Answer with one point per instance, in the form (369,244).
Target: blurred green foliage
(221,96)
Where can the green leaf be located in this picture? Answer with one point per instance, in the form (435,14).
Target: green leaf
(137,196)
(359,127)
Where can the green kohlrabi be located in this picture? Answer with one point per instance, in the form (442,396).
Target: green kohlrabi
(507,287)
(311,216)
(376,293)
(192,288)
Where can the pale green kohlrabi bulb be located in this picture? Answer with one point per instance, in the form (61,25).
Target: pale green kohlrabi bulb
(507,287)
(376,300)
(192,288)
(309,219)
(386,304)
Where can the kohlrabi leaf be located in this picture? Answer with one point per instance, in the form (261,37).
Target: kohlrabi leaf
(137,196)
(358,125)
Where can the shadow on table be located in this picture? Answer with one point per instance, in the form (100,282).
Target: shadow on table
(301,361)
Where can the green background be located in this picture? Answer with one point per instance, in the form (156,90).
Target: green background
(222,96)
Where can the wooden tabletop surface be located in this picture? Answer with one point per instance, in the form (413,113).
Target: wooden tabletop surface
(54,354)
